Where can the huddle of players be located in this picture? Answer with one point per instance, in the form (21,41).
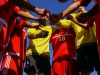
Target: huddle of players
(12,42)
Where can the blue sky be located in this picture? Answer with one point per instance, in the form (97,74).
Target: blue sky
(54,7)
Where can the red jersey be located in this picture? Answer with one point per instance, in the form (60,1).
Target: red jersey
(6,9)
(17,42)
(11,24)
(63,44)
(84,2)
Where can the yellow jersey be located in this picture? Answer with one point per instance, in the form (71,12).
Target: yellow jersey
(39,45)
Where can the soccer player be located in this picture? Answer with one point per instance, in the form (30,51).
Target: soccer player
(6,11)
(64,50)
(15,51)
(87,50)
(95,11)
(37,55)
(12,21)
(16,48)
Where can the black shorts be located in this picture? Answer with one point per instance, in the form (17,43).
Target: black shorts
(38,64)
(88,58)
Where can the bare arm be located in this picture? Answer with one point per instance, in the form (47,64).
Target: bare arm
(54,18)
(85,25)
(30,25)
(28,6)
(71,8)
(30,32)
(84,17)
(26,15)
(41,34)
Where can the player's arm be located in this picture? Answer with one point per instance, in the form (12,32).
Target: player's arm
(42,34)
(28,6)
(26,15)
(54,18)
(85,25)
(31,31)
(71,8)
(32,35)
(93,11)
(74,6)
(30,25)
(84,17)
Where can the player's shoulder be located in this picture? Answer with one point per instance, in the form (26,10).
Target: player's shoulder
(48,28)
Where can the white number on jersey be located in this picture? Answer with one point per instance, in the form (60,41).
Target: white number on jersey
(62,38)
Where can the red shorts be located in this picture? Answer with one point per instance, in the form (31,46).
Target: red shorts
(3,32)
(12,64)
(64,67)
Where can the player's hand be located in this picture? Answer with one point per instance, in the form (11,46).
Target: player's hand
(83,18)
(54,18)
(42,34)
(70,17)
(40,21)
(62,1)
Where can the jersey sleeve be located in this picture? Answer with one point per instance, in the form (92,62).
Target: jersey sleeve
(16,9)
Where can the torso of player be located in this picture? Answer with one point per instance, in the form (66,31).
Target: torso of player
(84,36)
(63,43)
(18,38)
(39,45)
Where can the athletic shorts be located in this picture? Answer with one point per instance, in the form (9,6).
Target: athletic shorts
(11,65)
(88,58)
(38,64)
(3,33)
(64,67)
